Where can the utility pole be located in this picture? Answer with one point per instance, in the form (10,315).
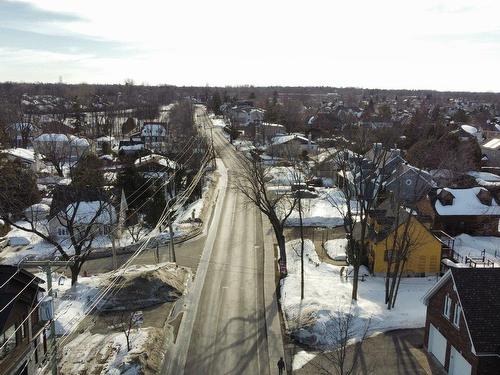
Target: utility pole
(47,267)
(171,236)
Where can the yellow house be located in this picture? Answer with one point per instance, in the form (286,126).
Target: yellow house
(421,249)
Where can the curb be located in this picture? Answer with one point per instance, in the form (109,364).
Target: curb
(273,325)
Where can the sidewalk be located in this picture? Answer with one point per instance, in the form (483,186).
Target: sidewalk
(273,324)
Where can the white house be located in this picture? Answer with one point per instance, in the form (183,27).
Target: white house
(65,146)
(292,144)
(101,216)
(154,135)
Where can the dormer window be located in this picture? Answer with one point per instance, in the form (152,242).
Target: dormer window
(456,315)
(446,198)
(447,306)
(484,197)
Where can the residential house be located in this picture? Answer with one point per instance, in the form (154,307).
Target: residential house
(96,217)
(292,145)
(23,334)
(105,141)
(462,329)
(243,113)
(155,166)
(491,153)
(392,226)
(62,146)
(474,211)
(409,184)
(25,157)
(21,133)
(155,135)
(131,147)
(386,161)
(264,132)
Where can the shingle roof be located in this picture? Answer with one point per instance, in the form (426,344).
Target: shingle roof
(480,298)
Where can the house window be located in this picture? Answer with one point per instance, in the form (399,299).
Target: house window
(456,315)
(62,231)
(447,306)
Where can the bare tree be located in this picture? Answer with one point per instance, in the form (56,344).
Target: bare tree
(345,332)
(80,213)
(60,149)
(126,322)
(252,181)
(360,181)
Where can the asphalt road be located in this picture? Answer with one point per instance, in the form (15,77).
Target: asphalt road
(223,329)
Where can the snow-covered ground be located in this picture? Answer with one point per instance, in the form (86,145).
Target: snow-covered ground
(72,303)
(336,249)
(284,176)
(105,354)
(41,249)
(327,294)
(472,246)
(320,212)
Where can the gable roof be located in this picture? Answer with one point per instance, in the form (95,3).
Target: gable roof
(480,300)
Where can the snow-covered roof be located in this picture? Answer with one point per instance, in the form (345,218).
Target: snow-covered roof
(86,212)
(158,159)
(469,129)
(39,207)
(54,137)
(485,176)
(153,130)
(493,144)
(282,139)
(107,157)
(105,138)
(136,147)
(21,153)
(466,203)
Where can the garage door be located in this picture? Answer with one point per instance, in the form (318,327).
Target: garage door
(458,364)
(437,344)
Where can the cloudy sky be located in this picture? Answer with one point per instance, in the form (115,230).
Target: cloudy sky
(431,44)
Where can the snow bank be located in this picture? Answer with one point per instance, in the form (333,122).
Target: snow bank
(324,211)
(105,353)
(327,293)
(336,249)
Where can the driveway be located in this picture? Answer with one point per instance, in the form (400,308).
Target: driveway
(391,353)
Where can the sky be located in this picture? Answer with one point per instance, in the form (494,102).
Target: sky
(405,44)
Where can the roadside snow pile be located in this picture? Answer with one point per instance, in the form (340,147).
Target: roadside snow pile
(105,354)
(327,294)
(337,249)
(324,211)
(145,285)
(72,302)
(141,286)
(472,246)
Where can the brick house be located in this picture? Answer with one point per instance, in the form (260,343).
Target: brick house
(474,211)
(462,329)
